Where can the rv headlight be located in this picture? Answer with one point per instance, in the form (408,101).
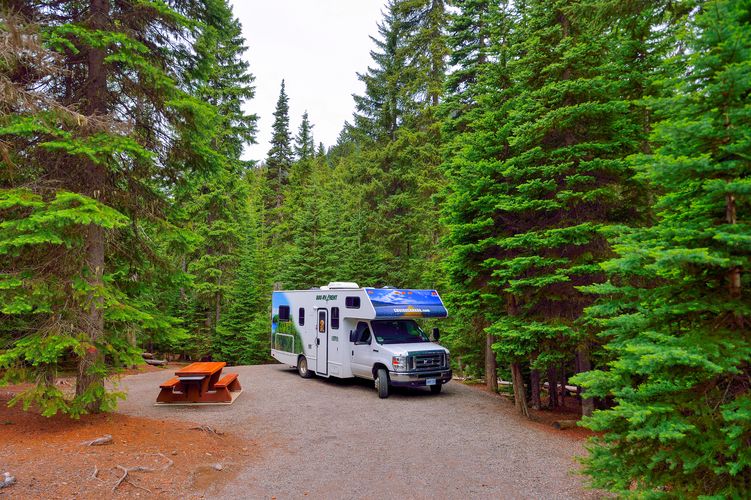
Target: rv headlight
(448,360)
(399,363)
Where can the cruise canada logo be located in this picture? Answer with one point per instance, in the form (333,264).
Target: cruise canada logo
(326,297)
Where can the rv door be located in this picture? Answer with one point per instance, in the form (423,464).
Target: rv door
(322,343)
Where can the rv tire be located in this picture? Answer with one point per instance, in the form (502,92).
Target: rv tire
(382,383)
(436,389)
(302,367)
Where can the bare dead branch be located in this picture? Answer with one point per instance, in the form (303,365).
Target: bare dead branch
(106,439)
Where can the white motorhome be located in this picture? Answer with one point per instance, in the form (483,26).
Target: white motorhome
(342,330)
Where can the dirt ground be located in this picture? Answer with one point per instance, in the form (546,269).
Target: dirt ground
(286,437)
(49,460)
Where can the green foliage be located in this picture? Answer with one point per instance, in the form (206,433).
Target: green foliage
(104,130)
(674,311)
(280,155)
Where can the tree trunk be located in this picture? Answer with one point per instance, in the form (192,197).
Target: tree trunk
(584,365)
(534,382)
(734,275)
(564,382)
(552,388)
(520,396)
(92,318)
(491,364)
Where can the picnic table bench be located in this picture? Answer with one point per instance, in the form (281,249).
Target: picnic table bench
(200,383)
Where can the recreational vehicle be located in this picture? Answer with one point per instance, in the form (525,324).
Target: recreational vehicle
(342,330)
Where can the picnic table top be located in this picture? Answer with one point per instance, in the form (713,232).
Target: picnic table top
(205,368)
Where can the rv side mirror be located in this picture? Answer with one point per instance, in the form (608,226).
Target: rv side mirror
(436,335)
(352,336)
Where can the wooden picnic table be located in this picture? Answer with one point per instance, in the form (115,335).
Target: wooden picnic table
(200,383)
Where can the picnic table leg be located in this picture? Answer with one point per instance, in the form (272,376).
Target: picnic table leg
(165,396)
(194,392)
(220,395)
(213,380)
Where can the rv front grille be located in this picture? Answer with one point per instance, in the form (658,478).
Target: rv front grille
(428,361)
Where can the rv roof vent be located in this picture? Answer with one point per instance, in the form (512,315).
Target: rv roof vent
(342,284)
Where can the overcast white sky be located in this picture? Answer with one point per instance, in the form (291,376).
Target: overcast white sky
(317,46)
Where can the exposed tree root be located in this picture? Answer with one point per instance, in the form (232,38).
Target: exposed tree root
(94,474)
(208,429)
(139,468)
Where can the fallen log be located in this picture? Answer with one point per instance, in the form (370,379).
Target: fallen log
(156,362)
(147,355)
(565,424)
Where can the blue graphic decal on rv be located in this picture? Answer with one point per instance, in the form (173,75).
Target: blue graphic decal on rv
(391,303)
(284,334)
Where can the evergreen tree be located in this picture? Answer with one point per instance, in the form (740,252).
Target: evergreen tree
(214,203)
(674,308)
(396,139)
(304,143)
(475,110)
(92,101)
(475,29)
(280,156)
(379,111)
(242,336)
(538,177)
(423,23)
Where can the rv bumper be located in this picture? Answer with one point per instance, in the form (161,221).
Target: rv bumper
(418,379)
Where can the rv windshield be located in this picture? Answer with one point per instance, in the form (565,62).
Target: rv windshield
(398,332)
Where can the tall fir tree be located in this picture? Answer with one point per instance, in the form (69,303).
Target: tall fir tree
(474,112)
(93,101)
(675,309)
(280,156)
(397,141)
(304,143)
(213,204)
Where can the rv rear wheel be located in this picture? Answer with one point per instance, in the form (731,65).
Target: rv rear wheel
(302,367)
(382,383)
(436,389)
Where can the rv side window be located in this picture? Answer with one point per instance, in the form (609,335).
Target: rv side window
(362,335)
(283,313)
(352,302)
(301,316)
(334,318)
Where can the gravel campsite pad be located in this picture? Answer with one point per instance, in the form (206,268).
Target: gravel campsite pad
(336,439)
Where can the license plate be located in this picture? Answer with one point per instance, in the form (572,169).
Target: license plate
(429,381)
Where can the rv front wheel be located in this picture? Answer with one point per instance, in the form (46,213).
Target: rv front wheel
(302,367)
(382,383)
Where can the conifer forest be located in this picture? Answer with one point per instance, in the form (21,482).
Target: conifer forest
(574,177)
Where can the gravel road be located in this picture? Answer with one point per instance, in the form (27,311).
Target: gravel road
(336,439)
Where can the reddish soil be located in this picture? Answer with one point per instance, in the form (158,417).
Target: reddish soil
(48,459)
